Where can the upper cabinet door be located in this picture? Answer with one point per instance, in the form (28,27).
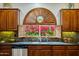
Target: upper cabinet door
(8,19)
(77,21)
(3,15)
(65,20)
(12,19)
(73,20)
(70,19)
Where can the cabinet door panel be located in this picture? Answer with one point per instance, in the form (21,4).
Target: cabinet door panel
(33,53)
(39,52)
(45,52)
(58,53)
(12,17)
(8,19)
(65,18)
(3,20)
(77,21)
(73,20)
(72,53)
(5,50)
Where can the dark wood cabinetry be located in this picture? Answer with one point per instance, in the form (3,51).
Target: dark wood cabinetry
(77,20)
(72,51)
(9,19)
(45,52)
(58,50)
(33,53)
(65,20)
(69,19)
(3,20)
(73,20)
(5,50)
(12,19)
(53,51)
(39,50)
(58,53)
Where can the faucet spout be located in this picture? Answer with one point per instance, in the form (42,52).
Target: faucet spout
(40,39)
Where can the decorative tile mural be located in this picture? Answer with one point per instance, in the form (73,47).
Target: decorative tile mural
(32,30)
(47,30)
(39,31)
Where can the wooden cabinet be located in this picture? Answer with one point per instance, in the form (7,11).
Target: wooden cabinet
(73,20)
(3,24)
(77,20)
(12,19)
(65,18)
(69,20)
(58,53)
(5,50)
(58,50)
(9,19)
(39,50)
(72,51)
(33,53)
(45,52)
(53,51)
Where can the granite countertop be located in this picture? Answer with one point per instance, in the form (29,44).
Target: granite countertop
(40,43)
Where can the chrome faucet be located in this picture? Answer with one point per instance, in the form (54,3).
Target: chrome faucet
(43,39)
(40,39)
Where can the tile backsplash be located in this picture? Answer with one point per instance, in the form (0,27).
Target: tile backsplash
(39,30)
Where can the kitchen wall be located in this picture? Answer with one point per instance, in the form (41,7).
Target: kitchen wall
(53,7)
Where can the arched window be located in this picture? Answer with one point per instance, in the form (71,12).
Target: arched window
(39,16)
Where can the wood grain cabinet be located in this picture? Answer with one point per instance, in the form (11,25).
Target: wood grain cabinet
(53,51)
(58,50)
(72,51)
(65,20)
(33,53)
(9,19)
(58,53)
(3,21)
(69,19)
(77,20)
(5,50)
(39,50)
(45,52)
